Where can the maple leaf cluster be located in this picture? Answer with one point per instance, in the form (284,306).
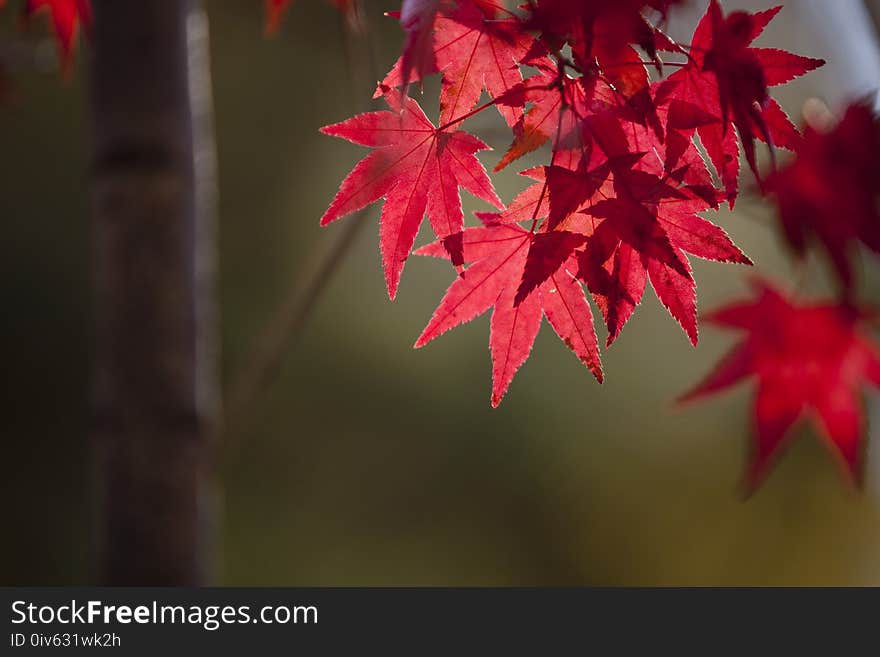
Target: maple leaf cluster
(619,203)
(624,111)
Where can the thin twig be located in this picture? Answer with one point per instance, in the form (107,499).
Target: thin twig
(288,320)
(276,340)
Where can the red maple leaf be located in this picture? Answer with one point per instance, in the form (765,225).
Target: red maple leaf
(641,220)
(500,253)
(474,48)
(417,167)
(809,359)
(645,231)
(725,84)
(66,15)
(832,190)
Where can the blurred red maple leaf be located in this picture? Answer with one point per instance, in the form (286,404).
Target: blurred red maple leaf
(67,16)
(275,10)
(809,359)
(832,189)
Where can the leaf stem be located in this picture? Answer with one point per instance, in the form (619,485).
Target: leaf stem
(643,63)
(468,115)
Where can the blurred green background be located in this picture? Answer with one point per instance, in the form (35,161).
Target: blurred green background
(370,463)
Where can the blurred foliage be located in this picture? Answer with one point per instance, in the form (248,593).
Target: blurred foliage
(369,462)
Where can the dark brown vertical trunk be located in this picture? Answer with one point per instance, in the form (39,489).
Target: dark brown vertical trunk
(155,381)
